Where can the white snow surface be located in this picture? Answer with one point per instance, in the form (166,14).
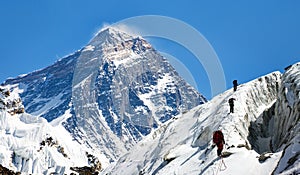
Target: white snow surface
(55,101)
(88,48)
(183,144)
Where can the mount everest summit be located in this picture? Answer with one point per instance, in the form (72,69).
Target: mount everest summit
(108,95)
(117,107)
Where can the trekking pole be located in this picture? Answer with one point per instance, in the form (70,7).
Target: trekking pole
(223,162)
(219,167)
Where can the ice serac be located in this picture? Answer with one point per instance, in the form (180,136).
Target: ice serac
(118,88)
(286,127)
(278,129)
(30,145)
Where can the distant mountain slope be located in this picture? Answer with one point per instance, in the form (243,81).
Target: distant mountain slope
(266,118)
(110,94)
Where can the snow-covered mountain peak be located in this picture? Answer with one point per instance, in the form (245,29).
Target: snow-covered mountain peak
(110,94)
(110,36)
(114,32)
(136,88)
(115,46)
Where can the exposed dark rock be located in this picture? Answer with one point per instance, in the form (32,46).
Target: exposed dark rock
(6,171)
(263,157)
(84,170)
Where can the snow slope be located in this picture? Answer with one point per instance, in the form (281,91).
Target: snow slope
(183,145)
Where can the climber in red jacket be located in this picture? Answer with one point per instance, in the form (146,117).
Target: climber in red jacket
(218,139)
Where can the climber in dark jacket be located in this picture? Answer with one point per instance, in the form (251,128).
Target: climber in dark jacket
(235,84)
(231,104)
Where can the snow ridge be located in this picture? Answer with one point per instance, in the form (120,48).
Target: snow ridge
(263,132)
(183,144)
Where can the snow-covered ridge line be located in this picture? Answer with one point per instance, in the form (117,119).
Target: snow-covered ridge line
(266,118)
(182,146)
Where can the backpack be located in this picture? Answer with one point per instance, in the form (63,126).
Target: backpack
(218,137)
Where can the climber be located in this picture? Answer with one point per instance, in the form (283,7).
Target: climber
(231,104)
(218,139)
(235,84)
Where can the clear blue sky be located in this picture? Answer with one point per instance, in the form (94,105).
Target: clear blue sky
(251,38)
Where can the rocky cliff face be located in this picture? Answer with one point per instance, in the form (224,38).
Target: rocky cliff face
(110,94)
